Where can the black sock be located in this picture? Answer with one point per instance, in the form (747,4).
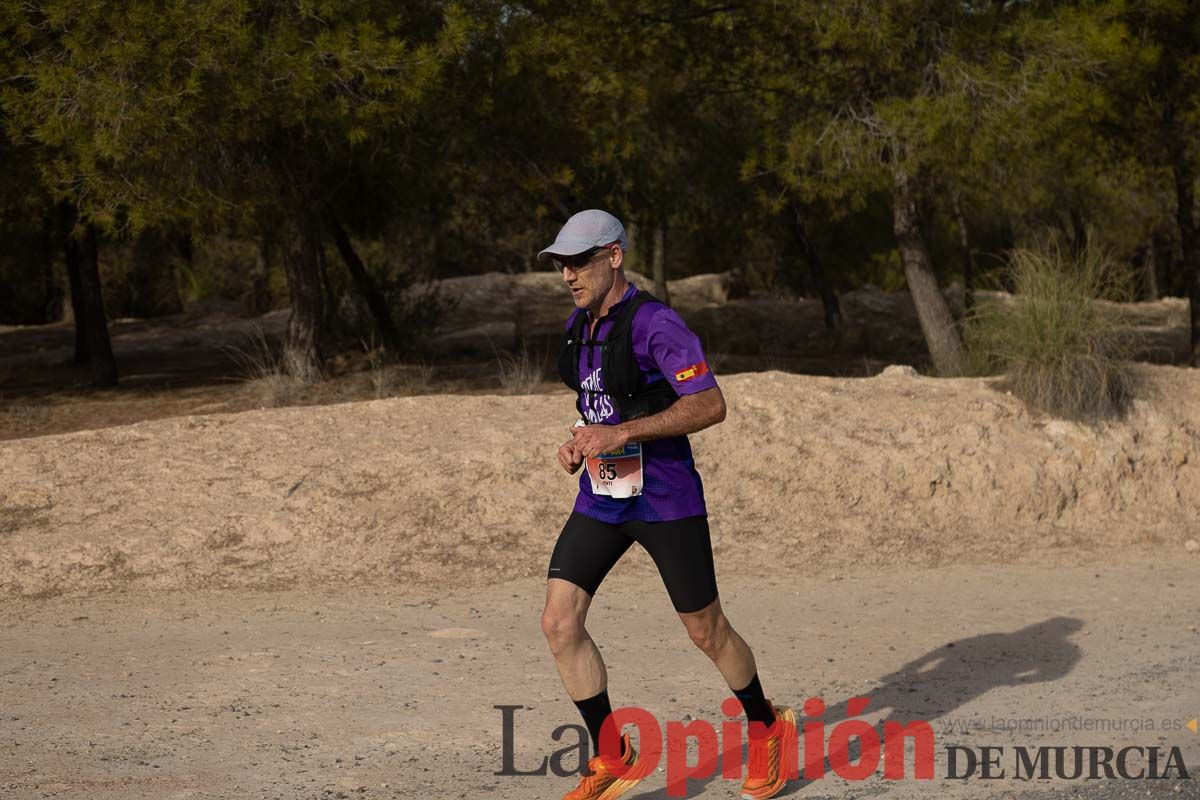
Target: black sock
(756,706)
(595,710)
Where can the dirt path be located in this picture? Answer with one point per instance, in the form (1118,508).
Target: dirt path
(255,606)
(377,693)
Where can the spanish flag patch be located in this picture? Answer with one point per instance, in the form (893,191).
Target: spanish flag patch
(694,371)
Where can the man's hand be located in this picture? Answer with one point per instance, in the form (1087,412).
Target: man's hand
(569,457)
(592,440)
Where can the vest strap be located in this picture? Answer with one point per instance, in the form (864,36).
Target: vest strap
(624,382)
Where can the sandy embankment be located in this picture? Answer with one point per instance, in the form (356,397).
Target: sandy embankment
(807,474)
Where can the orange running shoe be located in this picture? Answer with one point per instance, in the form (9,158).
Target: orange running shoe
(604,785)
(765,773)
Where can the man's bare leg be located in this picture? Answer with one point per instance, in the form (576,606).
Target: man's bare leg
(710,631)
(576,655)
(586,681)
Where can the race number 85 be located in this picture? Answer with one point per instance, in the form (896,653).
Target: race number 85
(608,471)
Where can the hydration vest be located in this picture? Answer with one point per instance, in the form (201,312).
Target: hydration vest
(623,381)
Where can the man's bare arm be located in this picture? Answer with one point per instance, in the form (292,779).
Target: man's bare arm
(688,414)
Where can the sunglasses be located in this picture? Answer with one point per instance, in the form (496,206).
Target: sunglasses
(580,260)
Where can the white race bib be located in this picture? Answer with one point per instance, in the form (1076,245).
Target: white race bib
(617,473)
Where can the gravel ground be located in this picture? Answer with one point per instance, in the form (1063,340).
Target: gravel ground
(376,693)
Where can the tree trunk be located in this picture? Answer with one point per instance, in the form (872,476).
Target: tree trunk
(1144,262)
(329,301)
(364,285)
(1079,234)
(816,271)
(99,347)
(1185,215)
(635,259)
(937,325)
(660,266)
(52,296)
(305,331)
(968,265)
(71,254)
(257,299)
(185,254)
(1008,243)
(1163,250)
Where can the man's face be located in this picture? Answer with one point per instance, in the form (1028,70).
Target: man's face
(589,276)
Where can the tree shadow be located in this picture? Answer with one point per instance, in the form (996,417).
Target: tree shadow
(942,680)
(950,676)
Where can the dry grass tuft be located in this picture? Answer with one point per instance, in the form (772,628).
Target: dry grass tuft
(27,417)
(521,372)
(264,374)
(410,379)
(1060,351)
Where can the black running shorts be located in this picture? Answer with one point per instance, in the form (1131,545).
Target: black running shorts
(588,548)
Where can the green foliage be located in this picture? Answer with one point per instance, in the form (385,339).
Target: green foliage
(151,113)
(1061,351)
(453,138)
(644,95)
(222,269)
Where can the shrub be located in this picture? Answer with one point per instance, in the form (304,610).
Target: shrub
(414,378)
(521,373)
(1060,351)
(394,380)
(263,373)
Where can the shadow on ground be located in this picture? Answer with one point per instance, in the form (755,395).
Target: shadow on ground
(939,682)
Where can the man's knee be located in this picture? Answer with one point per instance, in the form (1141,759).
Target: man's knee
(709,631)
(562,628)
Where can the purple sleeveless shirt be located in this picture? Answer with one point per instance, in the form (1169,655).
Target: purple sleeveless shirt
(664,349)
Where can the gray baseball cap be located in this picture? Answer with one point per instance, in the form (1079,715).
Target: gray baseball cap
(583,231)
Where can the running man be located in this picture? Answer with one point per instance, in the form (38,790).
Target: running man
(642,386)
